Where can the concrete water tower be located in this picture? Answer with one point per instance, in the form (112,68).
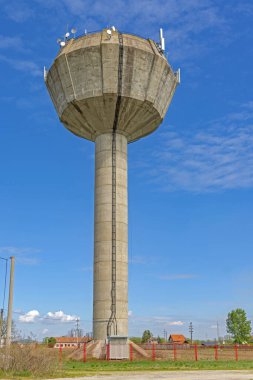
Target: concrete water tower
(113,89)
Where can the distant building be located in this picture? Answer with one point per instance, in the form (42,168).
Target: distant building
(70,342)
(177,339)
(209,343)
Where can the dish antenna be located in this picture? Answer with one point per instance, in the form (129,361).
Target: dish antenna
(62,43)
(73,31)
(67,35)
(162,40)
(113,28)
(58,41)
(85,32)
(109,32)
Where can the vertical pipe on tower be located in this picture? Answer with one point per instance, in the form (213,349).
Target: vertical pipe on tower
(103,241)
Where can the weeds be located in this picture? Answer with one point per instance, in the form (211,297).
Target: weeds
(27,361)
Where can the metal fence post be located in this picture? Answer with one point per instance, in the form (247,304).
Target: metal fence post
(153,351)
(236,352)
(108,351)
(60,356)
(196,352)
(84,352)
(131,351)
(216,352)
(175,352)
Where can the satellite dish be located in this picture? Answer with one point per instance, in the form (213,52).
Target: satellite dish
(62,43)
(58,40)
(67,34)
(109,32)
(113,28)
(73,30)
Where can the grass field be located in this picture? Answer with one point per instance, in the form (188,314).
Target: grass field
(75,369)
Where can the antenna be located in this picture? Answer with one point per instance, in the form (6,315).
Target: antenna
(67,35)
(62,43)
(162,40)
(45,73)
(113,28)
(73,31)
(178,76)
(85,32)
(109,32)
(58,41)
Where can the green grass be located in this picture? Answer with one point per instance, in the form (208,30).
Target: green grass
(92,367)
(75,369)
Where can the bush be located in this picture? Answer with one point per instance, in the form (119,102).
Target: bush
(28,359)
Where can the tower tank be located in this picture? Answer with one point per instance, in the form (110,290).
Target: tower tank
(111,88)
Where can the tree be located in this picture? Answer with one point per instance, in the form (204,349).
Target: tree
(50,341)
(238,326)
(146,336)
(15,333)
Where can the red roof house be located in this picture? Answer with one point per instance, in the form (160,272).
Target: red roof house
(177,339)
(70,342)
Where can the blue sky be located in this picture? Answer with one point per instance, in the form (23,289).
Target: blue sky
(190,183)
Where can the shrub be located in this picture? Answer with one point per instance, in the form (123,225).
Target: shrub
(28,359)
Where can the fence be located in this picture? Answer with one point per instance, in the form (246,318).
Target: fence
(186,352)
(176,352)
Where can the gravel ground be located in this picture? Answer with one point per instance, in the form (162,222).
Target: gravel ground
(182,375)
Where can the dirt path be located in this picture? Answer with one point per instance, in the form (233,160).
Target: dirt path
(182,375)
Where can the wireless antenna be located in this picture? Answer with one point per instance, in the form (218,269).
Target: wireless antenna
(162,40)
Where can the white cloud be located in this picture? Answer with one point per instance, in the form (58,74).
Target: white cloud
(217,157)
(29,317)
(59,316)
(18,11)
(11,250)
(177,277)
(8,42)
(23,65)
(45,331)
(24,255)
(176,323)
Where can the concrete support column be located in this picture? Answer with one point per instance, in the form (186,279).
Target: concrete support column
(102,299)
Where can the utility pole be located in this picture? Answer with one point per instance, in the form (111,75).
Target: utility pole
(9,317)
(191,330)
(1,325)
(165,334)
(77,330)
(218,332)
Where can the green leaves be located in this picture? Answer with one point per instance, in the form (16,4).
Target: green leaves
(239,326)
(146,336)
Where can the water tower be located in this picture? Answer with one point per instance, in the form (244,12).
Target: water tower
(113,89)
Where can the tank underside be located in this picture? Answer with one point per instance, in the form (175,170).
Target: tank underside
(136,119)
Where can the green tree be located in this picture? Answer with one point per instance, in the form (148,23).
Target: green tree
(51,341)
(146,336)
(238,326)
